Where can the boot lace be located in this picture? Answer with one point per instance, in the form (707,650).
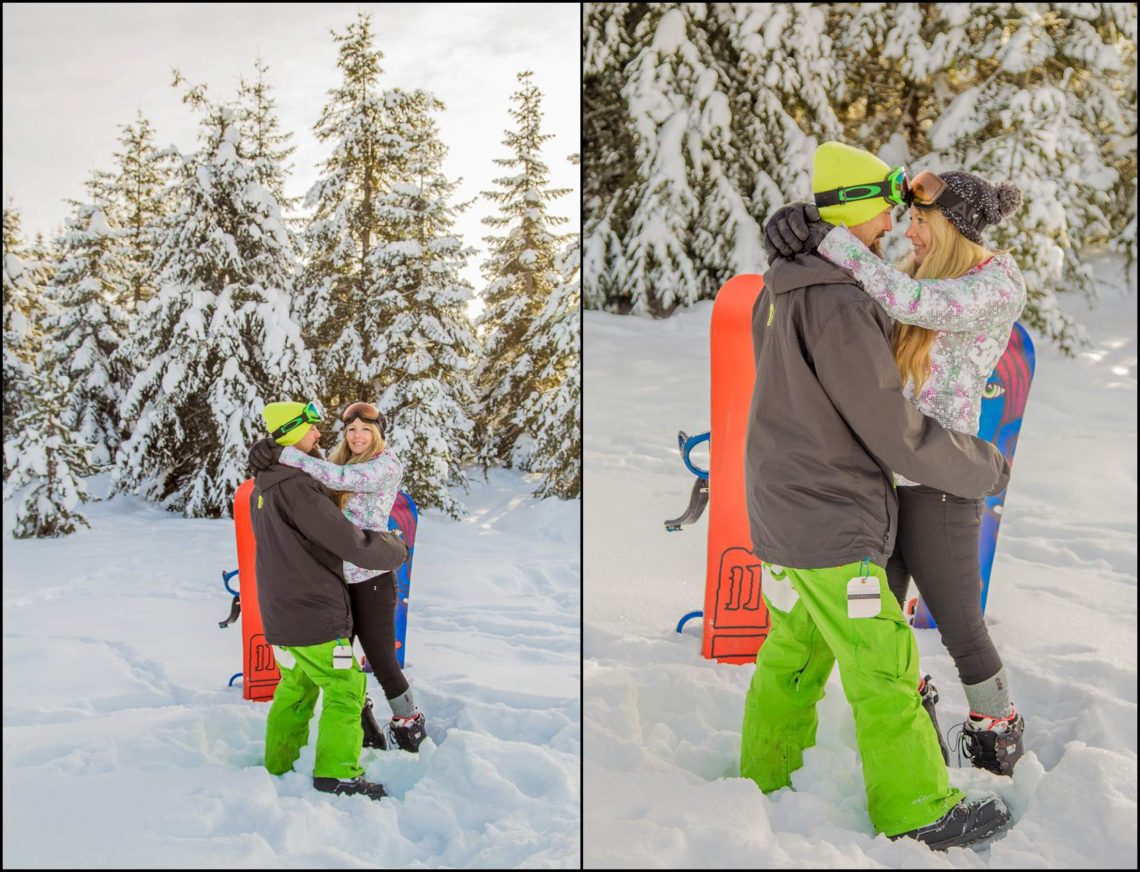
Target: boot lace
(970,744)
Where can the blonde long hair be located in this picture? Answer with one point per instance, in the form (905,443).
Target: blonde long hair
(949,255)
(342,455)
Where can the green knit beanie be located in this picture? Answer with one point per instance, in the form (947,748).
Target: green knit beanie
(836,165)
(276,414)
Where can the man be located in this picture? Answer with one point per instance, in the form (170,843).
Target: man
(302,542)
(828,427)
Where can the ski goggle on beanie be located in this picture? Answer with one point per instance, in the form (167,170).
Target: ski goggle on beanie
(929,191)
(289,422)
(852,186)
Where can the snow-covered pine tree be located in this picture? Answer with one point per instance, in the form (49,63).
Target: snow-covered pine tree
(83,336)
(267,146)
(673,190)
(25,307)
(217,342)
(520,273)
(141,203)
(782,80)
(553,415)
(609,158)
(680,113)
(338,291)
(426,348)
(47,461)
(726,237)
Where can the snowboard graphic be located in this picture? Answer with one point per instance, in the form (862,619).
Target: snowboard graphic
(735,617)
(404,517)
(259,667)
(1003,404)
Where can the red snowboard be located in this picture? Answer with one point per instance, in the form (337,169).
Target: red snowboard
(735,618)
(259,667)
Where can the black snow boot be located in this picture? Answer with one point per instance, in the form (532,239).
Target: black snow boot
(407,733)
(994,744)
(350,787)
(929,694)
(967,823)
(373,735)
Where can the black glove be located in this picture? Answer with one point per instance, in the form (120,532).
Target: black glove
(264,454)
(794,229)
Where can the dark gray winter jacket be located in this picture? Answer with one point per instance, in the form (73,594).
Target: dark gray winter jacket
(828,425)
(302,542)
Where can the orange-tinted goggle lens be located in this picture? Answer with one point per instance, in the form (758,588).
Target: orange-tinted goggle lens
(926,188)
(364,411)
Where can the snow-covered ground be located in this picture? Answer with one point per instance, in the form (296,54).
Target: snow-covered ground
(661,781)
(123,746)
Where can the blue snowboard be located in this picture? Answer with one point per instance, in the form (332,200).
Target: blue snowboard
(1003,405)
(404,516)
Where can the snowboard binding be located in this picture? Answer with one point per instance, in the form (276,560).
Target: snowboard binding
(699,495)
(235,605)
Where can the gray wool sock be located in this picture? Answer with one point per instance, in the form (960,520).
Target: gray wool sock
(403,706)
(990,697)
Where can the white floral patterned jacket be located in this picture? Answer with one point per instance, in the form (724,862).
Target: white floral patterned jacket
(972,316)
(374,484)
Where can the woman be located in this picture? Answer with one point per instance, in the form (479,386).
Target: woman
(954,303)
(364,477)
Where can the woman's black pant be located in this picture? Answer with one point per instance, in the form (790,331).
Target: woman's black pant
(374,622)
(937,545)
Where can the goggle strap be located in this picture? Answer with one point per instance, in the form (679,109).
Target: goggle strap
(287,427)
(949,200)
(828,198)
(886,189)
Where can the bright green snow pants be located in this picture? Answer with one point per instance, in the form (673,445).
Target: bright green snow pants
(339,733)
(903,771)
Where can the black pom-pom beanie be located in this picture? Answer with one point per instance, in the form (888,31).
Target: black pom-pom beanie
(991,203)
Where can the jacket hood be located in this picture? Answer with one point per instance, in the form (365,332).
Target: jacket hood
(802,271)
(276,474)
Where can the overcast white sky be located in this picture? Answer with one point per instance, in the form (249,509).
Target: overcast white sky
(75,72)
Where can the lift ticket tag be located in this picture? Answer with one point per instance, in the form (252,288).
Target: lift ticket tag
(863,597)
(342,657)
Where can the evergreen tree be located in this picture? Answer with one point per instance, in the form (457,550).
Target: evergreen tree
(139,207)
(427,348)
(520,273)
(554,414)
(48,461)
(339,290)
(609,161)
(89,325)
(680,115)
(217,342)
(141,203)
(782,78)
(25,308)
(266,145)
